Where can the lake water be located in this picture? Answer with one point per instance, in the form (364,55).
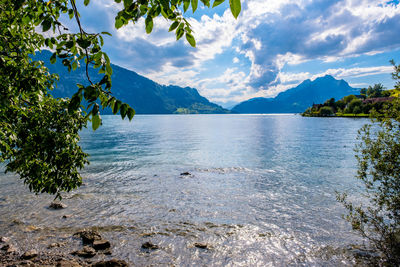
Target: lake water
(261,191)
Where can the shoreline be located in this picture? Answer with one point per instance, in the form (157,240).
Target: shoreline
(93,250)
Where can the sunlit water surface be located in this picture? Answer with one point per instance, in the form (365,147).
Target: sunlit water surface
(261,191)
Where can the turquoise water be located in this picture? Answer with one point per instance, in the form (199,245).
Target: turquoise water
(261,190)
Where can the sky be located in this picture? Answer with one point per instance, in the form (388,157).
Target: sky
(272,46)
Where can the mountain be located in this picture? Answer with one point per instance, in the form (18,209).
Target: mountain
(144,95)
(298,99)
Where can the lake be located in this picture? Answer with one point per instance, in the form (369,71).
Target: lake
(260,191)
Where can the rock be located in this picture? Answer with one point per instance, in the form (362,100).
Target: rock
(149,245)
(57,206)
(185,173)
(66,216)
(107,251)
(88,236)
(201,245)
(4,239)
(30,254)
(54,245)
(67,263)
(111,263)
(31,228)
(101,244)
(9,249)
(86,252)
(26,263)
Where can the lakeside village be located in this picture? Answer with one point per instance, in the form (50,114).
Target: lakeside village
(370,100)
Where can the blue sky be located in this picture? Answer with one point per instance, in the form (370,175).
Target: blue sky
(273,45)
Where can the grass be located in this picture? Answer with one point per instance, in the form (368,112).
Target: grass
(362,115)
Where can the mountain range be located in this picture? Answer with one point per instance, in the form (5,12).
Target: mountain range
(299,98)
(149,97)
(144,95)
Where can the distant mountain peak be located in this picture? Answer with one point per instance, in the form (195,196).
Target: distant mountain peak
(143,94)
(297,99)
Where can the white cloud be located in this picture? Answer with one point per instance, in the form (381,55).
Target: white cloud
(270,34)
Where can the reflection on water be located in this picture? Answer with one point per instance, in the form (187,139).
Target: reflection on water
(261,190)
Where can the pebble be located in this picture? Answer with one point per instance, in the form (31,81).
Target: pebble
(101,244)
(30,254)
(149,245)
(88,236)
(111,263)
(86,252)
(57,206)
(201,245)
(4,239)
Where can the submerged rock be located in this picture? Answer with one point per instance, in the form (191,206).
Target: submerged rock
(86,252)
(88,236)
(55,245)
(149,245)
(68,263)
(185,173)
(201,245)
(4,239)
(8,249)
(111,263)
(57,205)
(107,251)
(30,254)
(101,244)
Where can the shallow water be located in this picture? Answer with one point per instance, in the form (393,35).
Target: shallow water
(261,191)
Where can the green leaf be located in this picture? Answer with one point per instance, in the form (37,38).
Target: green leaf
(53,58)
(186,4)
(86,2)
(124,110)
(217,3)
(149,24)
(118,23)
(131,113)
(106,33)
(96,121)
(173,26)
(194,5)
(117,106)
(179,34)
(235,7)
(46,24)
(191,39)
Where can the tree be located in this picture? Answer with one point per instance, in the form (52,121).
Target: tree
(326,111)
(355,103)
(378,156)
(375,91)
(39,135)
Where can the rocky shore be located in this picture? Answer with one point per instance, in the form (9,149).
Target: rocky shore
(92,245)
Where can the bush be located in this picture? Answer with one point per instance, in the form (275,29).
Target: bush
(326,111)
(378,156)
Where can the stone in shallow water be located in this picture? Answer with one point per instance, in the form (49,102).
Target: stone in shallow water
(101,244)
(201,245)
(67,263)
(57,206)
(9,249)
(86,252)
(111,263)
(88,236)
(4,239)
(185,173)
(149,245)
(30,254)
